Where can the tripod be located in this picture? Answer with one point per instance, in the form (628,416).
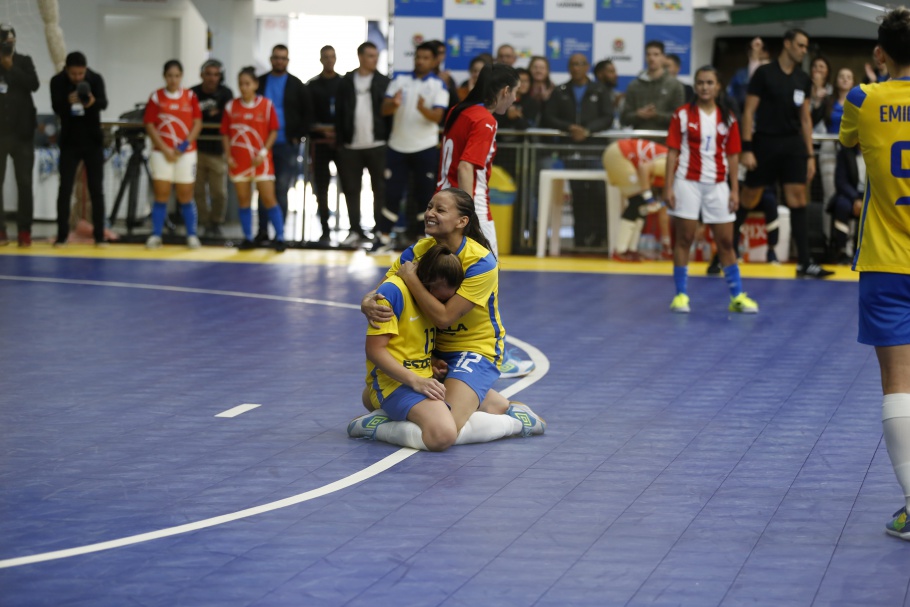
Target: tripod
(131,180)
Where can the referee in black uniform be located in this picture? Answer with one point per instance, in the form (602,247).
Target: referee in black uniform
(777,111)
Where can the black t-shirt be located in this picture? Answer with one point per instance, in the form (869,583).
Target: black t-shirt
(212,106)
(324,90)
(781,99)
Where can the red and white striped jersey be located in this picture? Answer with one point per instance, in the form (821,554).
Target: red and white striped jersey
(248,127)
(473,139)
(703,141)
(173,115)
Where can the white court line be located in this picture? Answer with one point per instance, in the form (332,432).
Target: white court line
(234,412)
(542,365)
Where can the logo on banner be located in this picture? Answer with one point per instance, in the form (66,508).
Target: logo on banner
(455,45)
(668,5)
(606,4)
(555,46)
(619,45)
(475,2)
(417,39)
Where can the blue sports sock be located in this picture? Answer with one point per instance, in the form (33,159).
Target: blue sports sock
(188,211)
(277,221)
(159,214)
(681,278)
(731,275)
(246,222)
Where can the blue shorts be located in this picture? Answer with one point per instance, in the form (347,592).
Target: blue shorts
(471,368)
(884,309)
(399,403)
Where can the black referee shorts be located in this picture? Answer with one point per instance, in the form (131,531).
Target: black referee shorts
(780,159)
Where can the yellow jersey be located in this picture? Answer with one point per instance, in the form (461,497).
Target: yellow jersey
(480,330)
(412,342)
(877,117)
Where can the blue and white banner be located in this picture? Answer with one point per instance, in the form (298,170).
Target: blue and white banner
(555,29)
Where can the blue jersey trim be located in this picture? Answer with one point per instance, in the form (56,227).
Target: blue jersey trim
(406,255)
(487,264)
(862,224)
(497,330)
(464,241)
(856,96)
(393,294)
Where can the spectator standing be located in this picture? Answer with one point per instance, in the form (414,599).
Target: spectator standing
(652,98)
(506,55)
(541,85)
(605,73)
(833,112)
(18,80)
(78,97)
(443,73)
(777,140)
(210,167)
(883,254)
(580,107)
(173,121)
(673,65)
(324,91)
(417,103)
(295,112)
(362,133)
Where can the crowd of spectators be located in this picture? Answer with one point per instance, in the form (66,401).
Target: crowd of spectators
(364,120)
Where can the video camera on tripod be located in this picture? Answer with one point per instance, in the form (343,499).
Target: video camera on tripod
(135,137)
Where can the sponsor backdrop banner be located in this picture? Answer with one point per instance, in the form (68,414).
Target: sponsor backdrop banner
(555,29)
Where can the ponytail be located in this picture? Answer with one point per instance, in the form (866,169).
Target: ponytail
(492,79)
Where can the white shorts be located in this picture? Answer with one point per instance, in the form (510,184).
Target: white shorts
(251,178)
(711,199)
(182,171)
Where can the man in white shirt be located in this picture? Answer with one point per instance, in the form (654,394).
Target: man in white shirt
(417,103)
(362,133)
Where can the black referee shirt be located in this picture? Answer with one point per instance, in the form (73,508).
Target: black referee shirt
(781,99)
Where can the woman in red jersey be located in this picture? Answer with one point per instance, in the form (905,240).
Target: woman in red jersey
(249,127)
(469,140)
(702,167)
(173,121)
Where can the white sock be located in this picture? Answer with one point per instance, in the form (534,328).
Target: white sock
(403,434)
(896,429)
(626,231)
(483,427)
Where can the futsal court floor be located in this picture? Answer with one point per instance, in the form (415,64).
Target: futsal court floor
(706,459)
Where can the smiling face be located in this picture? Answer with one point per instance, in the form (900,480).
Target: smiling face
(539,69)
(442,218)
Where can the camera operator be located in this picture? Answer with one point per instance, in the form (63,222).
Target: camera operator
(18,80)
(78,97)
(210,167)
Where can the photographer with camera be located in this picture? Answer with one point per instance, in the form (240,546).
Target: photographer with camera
(78,97)
(18,80)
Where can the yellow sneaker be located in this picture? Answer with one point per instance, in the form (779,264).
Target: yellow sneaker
(742,303)
(680,304)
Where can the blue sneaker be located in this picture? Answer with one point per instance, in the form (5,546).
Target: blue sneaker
(513,367)
(365,425)
(899,526)
(531,423)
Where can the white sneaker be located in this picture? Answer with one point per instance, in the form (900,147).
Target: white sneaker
(153,242)
(193,242)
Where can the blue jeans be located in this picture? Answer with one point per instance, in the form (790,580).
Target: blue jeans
(286,170)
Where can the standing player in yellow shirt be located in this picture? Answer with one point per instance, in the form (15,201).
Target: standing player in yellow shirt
(877,117)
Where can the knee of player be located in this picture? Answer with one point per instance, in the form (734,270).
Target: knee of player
(439,437)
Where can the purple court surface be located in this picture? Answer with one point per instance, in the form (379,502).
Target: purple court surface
(707,459)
